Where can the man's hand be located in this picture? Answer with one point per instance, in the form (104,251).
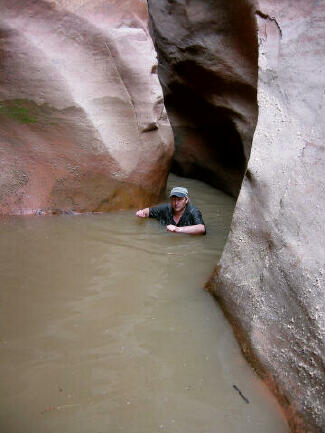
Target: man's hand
(143,213)
(171,228)
(198,229)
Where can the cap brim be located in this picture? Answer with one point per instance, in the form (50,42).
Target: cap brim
(177,194)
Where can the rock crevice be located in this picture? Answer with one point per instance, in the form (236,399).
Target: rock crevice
(207,55)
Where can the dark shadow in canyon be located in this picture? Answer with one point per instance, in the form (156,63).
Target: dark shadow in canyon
(208,66)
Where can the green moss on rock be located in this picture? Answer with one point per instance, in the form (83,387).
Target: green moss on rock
(18,110)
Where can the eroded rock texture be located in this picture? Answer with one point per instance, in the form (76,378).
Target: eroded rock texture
(270,280)
(82,122)
(207,54)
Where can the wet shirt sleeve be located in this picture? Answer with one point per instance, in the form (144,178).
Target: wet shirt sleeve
(160,212)
(196,217)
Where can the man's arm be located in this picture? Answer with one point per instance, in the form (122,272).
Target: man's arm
(143,213)
(153,211)
(197,229)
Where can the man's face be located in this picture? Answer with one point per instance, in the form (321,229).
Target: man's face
(178,203)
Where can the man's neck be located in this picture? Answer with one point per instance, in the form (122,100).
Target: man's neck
(178,215)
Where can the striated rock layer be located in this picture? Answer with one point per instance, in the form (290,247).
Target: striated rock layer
(82,121)
(270,280)
(207,53)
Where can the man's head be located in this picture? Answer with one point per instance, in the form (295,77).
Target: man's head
(178,191)
(178,198)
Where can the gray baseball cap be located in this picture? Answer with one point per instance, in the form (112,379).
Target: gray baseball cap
(179,191)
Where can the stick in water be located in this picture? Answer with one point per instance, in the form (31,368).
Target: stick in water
(241,394)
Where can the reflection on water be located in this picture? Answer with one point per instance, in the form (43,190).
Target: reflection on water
(105,328)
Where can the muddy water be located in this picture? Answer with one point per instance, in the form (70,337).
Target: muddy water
(105,328)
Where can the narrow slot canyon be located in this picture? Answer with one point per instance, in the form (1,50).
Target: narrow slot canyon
(229,62)
(104,107)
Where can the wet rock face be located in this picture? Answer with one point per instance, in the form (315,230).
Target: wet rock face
(270,280)
(207,53)
(82,121)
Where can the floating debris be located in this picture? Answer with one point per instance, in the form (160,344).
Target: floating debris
(241,394)
(59,407)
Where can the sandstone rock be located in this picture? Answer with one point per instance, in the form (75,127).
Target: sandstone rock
(82,121)
(207,54)
(270,280)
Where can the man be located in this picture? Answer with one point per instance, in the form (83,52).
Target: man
(179,216)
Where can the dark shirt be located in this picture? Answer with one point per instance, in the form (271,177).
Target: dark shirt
(164,214)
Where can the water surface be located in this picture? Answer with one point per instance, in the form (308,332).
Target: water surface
(105,327)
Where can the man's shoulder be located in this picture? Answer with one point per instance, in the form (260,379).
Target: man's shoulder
(194,215)
(191,208)
(163,208)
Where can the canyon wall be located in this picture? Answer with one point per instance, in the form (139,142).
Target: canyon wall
(207,53)
(82,121)
(270,279)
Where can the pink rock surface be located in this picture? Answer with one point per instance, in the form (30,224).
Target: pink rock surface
(270,280)
(82,121)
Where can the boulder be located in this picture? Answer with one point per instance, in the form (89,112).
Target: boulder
(207,53)
(270,279)
(82,121)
